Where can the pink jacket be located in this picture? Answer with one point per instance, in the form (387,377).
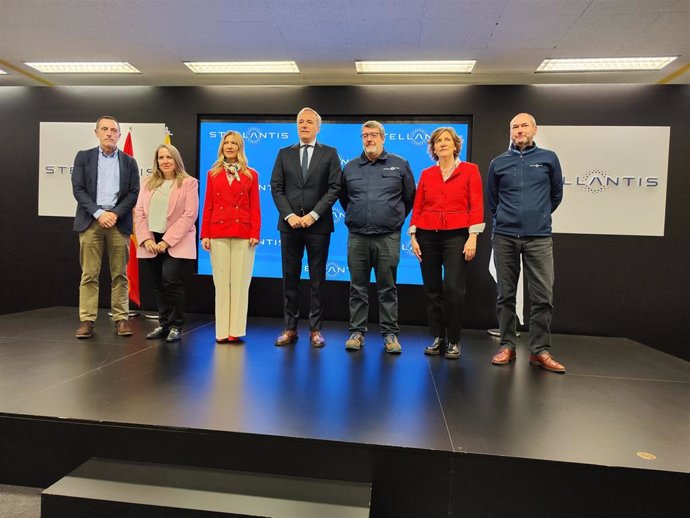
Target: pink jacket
(183,209)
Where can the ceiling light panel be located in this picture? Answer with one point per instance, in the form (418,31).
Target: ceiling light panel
(604,64)
(242,67)
(84,67)
(415,67)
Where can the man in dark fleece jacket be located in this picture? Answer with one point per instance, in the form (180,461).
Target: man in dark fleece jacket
(377,195)
(525,186)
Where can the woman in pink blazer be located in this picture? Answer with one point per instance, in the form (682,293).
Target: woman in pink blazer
(164,225)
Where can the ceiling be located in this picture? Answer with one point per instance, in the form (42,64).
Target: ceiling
(509,38)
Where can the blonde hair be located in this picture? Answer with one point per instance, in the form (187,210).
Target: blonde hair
(457,140)
(156,179)
(217,166)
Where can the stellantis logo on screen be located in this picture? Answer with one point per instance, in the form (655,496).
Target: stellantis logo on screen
(418,137)
(596,181)
(254,135)
(338,215)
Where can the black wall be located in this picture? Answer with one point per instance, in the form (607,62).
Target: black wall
(637,287)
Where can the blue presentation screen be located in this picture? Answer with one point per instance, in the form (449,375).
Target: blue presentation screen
(263,139)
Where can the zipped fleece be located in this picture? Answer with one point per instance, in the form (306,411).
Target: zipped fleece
(524,188)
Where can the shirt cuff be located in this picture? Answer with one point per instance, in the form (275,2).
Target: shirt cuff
(314,215)
(477,228)
(412,229)
(98,213)
(289,216)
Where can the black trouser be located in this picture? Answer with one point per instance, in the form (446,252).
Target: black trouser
(166,272)
(292,246)
(444,270)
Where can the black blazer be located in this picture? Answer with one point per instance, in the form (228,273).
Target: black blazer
(317,192)
(85,185)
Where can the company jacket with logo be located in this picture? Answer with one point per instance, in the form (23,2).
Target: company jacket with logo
(377,196)
(231,210)
(456,203)
(524,188)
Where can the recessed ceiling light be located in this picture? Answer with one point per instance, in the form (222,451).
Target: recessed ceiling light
(84,67)
(242,67)
(2,72)
(416,67)
(604,64)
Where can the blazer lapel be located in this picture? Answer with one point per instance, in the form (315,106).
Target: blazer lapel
(92,170)
(295,159)
(315,157)
(123,173)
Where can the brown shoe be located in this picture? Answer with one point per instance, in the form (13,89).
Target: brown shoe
(316,339)
(122,328)
(85,329)
(504,356)
(287,337)
(546,361)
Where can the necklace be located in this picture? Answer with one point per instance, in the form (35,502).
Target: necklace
(446,172)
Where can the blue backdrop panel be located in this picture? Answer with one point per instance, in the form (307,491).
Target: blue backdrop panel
(264,138)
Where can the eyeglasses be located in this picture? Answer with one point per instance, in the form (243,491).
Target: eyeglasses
(373,134)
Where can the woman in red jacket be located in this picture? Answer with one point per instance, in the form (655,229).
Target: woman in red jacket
(447,215)
(230,232)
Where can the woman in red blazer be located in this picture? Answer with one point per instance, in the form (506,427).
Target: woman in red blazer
(230,229)
(447,215)
(164,225)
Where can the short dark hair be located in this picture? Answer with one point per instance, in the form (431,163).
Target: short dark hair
(109,117)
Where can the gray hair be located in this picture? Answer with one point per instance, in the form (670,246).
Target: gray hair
(375,124)
(307,109)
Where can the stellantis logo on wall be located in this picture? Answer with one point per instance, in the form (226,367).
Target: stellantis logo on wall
(596,181)
(418,137)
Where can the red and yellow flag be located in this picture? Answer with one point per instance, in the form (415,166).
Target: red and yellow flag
(133,264)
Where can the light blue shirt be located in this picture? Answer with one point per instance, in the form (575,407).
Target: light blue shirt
(108,181)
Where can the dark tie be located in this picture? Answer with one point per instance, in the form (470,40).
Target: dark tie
(305,161)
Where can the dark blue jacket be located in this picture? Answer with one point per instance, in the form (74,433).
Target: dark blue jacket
(377,196)
(524,188)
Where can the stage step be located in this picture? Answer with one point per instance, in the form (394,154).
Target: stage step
(106,488)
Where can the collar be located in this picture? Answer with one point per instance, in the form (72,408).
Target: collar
(104,155)
(363,158)
(312,144)
(513,148)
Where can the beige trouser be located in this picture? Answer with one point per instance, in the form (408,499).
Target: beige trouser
(232,261)
(92,242)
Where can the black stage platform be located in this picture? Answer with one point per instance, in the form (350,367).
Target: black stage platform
(435,437)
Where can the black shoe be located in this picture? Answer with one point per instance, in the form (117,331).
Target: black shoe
(437,347)
(452,351)
(159,332)
(173,335)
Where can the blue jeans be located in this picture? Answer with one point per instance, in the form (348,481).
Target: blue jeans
(537,259)
(382,253)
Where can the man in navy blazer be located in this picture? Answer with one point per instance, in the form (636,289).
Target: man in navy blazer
(305,184)
(105,183)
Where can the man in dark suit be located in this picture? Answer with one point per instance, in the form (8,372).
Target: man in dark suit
(305,184)
(105,183)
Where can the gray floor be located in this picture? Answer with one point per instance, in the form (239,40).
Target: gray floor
(20,502)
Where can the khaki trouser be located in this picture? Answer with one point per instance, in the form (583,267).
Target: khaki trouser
(232,261)
(92,242)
